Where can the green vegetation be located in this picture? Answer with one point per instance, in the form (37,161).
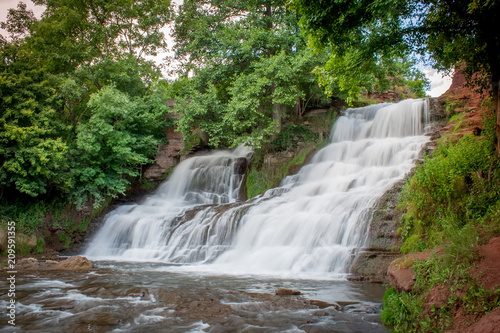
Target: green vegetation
(367,35)
(253,71)
(81,112)
(453,201)
(83,107)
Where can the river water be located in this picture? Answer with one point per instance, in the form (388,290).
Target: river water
(152,297)
(193,258)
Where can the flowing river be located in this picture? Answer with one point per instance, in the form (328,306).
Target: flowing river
(192,258)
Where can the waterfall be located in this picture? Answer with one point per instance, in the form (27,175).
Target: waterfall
(171,224)
(313,224)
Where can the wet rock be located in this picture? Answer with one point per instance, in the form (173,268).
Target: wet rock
(76,263)
(240,166)
(325,305)
(286,292)
(137,292)
(99,318)
(190,305)
(383,241)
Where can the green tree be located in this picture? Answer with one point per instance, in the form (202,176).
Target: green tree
(118,137)
(249,58)
(55,76)
(455,33)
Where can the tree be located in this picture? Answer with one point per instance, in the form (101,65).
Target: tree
(249,59)
(75,85)
(118,137)
(455,33)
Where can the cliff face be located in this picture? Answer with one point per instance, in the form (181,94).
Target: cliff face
(168,156)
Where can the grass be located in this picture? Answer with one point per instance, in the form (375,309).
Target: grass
(453,201)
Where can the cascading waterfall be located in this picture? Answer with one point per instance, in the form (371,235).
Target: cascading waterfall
(173,224)
(313,224)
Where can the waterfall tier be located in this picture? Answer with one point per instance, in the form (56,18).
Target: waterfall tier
(314,224)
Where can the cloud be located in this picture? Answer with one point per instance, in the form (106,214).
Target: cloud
(439,82)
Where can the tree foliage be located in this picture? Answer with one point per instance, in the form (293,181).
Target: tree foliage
(249,60)
(80,108)
(458,33)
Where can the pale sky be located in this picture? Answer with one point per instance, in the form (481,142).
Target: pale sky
(439,84)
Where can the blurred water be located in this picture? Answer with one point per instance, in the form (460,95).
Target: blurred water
(311,227)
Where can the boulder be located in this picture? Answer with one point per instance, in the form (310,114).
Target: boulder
(400,273)
(286,292)
(76,263)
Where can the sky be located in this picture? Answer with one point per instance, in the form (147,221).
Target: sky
(439,84)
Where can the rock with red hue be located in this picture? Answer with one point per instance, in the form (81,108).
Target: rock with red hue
(489,323)
(487,272)
(76,263)
(401,275)
(286,292)
(436,298)
(168,155)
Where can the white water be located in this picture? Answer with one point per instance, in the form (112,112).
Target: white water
(313,226)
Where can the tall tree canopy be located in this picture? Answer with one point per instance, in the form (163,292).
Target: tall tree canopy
(455,33)
(251,68)
(79,108)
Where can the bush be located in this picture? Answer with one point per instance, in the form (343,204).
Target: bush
(448,191)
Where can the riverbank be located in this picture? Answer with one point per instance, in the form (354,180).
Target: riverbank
(447,281)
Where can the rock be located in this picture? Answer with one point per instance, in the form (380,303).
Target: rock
(401,275)
(3,240)
(240,166)
(97,318)
(373,260)
(320,313)
(487,324)
(436,298)
(27,263)
(487,272)
(76,263)
(168,156)
(286,292)
(29,240)
(137,292)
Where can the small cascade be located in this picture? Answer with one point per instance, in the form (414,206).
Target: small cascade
(173,223)
(313,224)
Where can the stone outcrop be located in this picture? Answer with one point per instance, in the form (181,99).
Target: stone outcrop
(383,242)
(76,263)
(168,156)
(400,273)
